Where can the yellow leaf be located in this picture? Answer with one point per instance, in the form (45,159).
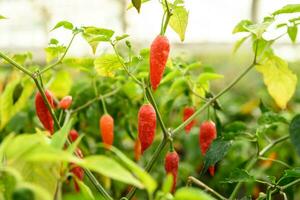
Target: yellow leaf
(279,79)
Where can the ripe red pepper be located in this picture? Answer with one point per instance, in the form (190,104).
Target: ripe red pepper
(207,134)
(65,103)
(137,149)
(42,111)
(171,167)
(106,124)
(187,112)
(146,126)
(79,173)
(73,135)
(159,53)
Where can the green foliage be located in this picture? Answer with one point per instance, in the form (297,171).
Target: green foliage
(94,35)
(64,24)
(294,131)
(239,175)
(191,194)
(107,64)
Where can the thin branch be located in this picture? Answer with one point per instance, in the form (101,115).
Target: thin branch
(15,64)
(200,184)
(212,100)
(160,120)
(98,98)
(124,66)
(275,160)
(59,61)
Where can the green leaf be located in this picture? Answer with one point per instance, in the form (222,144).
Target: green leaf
(85,190)
(238,43)
(279,79)
(292,32)
(294,131)
(53,41)
(240,27)
(94,35)
(271,118)
(131,4)
(234,129)
(64,24)
(167,185)
(178,86)
(54,52)
(132,90)
(2,17)
(189,193)
(179,20)
(170,76)
(60,137)
(84,64)
(204,77)
(121,37)
(8,107)
(107,64)
(239,175)
(258,29)
(216,152)
(110,168)
(140,173)
(137,4)
(62,84)
(290,8)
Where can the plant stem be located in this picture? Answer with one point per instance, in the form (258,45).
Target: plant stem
(169,14)
(150,164)
(268,147)
(41,90)
(275,160)
(59,61)
(94,100)
(124,66)
(12,62)
(199,183)
(212,100)
(290,184)
(153,102)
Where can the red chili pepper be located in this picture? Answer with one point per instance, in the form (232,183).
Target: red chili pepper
(187,112)
(146,126)
(65,103)
(207,134)
(79,173)
(73,135)
(137,149)
(42,111)
(106,124)
(171,167)
(159,53)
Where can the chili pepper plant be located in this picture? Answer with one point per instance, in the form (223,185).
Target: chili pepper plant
(145,123)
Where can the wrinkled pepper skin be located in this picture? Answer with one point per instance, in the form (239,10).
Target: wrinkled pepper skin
(159,53)
(42,111)
(207,134)
(106,124)
(171,167)
(187,112)
(146,126)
